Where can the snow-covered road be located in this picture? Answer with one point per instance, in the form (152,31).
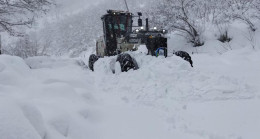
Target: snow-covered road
(166,98)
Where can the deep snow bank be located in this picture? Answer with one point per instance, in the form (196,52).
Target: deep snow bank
(59,98)
(215,99)
(172,77)
(19,120)
(12,69)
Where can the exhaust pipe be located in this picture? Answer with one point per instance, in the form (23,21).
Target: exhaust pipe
(147,24)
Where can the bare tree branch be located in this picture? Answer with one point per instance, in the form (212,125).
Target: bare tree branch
(18,13)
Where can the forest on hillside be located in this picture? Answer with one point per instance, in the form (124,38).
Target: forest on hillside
(46,29)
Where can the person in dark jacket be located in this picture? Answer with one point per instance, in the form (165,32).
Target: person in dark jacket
(184,55)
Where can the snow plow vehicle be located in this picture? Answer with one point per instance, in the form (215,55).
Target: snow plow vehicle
(121,35)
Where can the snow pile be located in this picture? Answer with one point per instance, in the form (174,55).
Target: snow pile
(18,119)
(171,77)
(59,98)
(19,123)
(12,69)
(201,102)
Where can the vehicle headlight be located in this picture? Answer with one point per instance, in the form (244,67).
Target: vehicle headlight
(155,28)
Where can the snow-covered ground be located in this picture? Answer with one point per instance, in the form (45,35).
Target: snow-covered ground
(59,98)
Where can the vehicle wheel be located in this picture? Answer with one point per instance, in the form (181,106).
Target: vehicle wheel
(127,62)
(92,59)
(185,56)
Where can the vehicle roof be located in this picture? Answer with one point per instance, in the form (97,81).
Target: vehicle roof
(116,12)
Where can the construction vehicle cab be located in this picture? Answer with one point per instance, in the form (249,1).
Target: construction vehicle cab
(116,24)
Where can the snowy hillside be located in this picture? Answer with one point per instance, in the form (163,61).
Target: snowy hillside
(61,98)
(49,92)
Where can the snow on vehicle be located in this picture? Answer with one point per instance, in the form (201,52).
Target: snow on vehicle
(120,35)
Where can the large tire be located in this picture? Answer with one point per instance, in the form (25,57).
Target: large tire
(127,62)
(185,56)
(92,59)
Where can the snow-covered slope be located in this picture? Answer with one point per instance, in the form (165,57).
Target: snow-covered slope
(241,37)
(57,98)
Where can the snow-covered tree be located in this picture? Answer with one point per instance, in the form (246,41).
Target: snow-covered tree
(241,10)
(184,16)
(17,13)
(189,17)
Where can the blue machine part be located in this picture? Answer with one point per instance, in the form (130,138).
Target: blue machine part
(160,52)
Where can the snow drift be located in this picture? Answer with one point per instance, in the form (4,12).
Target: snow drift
(58,98)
